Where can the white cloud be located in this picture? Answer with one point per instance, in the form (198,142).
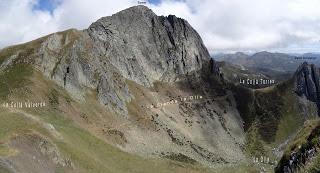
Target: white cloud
(80,14)
(239,25)
(20,22)
(225,25)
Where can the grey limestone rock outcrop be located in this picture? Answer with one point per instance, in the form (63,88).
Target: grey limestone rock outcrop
(307,83)
(146,47)
(134,44)
(7,166)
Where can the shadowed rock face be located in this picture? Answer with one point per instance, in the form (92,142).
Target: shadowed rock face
(307,83)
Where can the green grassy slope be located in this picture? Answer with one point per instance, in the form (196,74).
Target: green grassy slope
(88,152)
(308,135)
(271,115)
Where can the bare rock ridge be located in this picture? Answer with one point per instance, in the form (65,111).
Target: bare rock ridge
(307,83)
(133,44)
(146,47)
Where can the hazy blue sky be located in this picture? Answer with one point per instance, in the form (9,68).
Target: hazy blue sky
(224,25)
(46,5)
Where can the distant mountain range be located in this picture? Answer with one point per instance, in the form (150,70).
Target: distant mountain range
(266,61)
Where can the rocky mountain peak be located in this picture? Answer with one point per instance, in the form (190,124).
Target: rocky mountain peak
(135,12)
(141,8)
(146,47)
(137,9)
(307,82)
(134,44)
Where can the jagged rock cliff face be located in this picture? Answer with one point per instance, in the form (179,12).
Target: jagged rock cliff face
(147,48)
(133,44)
(307,83)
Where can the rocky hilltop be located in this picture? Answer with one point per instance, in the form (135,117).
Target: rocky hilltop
(147,48)
(133,44)
(307,83)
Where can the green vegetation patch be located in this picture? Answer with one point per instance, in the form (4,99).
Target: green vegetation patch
(53,98)
(308,135)
(269,108)
(4,170)
(314,166)
(22,50)
(4,150)
(310,131)
(271,115)
(254,143)
(180,158)
(15,77)
(245,100)
(14,123)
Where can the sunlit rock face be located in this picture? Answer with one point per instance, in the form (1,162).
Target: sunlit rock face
(146,47)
